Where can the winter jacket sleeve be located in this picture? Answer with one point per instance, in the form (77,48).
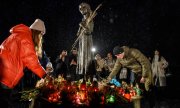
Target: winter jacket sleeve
(143,60)
(115,70)
(30,59)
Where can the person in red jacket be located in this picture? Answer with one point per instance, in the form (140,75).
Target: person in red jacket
(19,51)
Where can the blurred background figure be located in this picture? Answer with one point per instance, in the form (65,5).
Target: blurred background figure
(123,76)
(110,61)
(159,64)
(100,67)
(62,64)
(73,64)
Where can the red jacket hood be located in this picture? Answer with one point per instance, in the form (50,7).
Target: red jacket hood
(19,28)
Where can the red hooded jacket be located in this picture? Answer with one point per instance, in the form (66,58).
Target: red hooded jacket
(16,53)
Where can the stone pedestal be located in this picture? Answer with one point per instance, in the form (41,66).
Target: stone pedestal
(136,101)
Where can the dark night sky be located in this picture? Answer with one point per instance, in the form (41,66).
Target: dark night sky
(143,24)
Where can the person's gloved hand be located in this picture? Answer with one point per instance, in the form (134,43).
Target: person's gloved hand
(109,79)
(40,83)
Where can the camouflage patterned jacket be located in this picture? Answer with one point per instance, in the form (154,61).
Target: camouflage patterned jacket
(136,62)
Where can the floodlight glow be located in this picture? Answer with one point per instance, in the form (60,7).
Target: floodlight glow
(93,49)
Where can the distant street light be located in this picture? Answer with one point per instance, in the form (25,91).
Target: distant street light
(93,49)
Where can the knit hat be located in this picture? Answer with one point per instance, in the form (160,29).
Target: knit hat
(38,25)
(118,50)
